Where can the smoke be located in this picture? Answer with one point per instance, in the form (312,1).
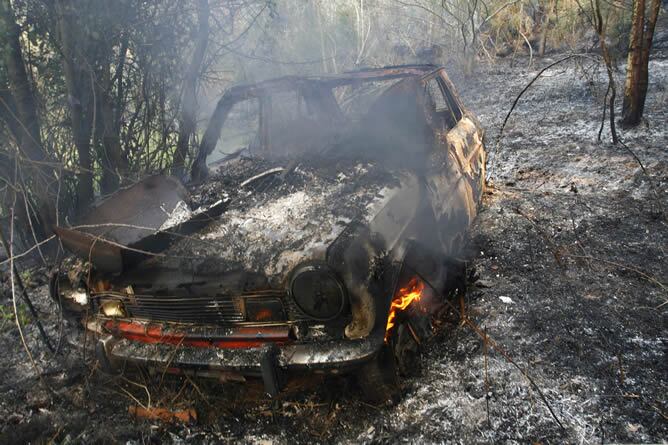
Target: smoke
(262,40)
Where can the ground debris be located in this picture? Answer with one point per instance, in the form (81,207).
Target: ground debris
(577,327)
(188,415)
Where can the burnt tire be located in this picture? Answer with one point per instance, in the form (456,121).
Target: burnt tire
(407,352)
(378,379)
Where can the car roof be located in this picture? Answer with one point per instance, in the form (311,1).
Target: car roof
(291,83)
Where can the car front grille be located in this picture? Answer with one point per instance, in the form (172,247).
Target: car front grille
(209,310)
(221,310)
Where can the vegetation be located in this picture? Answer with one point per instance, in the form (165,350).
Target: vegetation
(645,15)
(95,94)
(7,319)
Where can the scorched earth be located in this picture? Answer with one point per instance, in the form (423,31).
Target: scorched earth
(570,254)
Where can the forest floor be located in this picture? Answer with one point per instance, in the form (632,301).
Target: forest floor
(571,251)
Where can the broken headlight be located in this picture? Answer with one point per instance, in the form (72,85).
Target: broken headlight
(264,310)
(113,308)
(317,292)
(72,297)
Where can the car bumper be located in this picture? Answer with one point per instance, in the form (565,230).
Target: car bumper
(270,361)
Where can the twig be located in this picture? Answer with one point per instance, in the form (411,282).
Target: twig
(575,232)
(649,178)
(32,228)
(605,107)
(133,398)
(553,247)
(16,277)
(139,385)
(647,277)
(178,394)
(169,362)
(530,48)
(558,255)
(484,349)
(199,391)
(20,255)
(519,96)
(510,360)
(16,314)
(467,321)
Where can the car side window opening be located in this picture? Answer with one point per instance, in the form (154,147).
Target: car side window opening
(393,127)
(378,119)
(356,99)
(293,124)
(447,88)
(241,130)
(286,107)
(445,111)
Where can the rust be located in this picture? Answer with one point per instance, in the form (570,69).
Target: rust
(238,337)
(163,414)
(298,243)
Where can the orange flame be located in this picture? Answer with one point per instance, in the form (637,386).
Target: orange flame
(402,300)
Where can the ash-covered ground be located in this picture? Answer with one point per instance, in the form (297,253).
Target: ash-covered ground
(570,248)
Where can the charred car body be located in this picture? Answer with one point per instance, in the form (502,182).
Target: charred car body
(319,207)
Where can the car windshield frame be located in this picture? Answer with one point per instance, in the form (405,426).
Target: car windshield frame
(316,91)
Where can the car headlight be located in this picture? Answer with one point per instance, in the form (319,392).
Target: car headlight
(113,308)
(264,310)
(317,292)
(71,297)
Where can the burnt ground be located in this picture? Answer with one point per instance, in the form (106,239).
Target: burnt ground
(571,252)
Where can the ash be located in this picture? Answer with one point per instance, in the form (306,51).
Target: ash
(273,223)
(570,233)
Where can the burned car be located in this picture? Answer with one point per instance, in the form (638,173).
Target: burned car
(323,226)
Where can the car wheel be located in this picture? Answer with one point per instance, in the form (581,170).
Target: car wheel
(378,378)
(407,352)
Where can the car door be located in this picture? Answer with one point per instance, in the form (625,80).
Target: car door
(455,173)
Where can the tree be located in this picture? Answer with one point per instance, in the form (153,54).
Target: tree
(640,43)
(19,110)
(78,88)
(187,121)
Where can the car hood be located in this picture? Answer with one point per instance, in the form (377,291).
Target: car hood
(277,217)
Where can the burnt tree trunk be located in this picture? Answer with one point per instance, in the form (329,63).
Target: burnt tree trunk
(9,113)
(20,86)
(112,159)
(545,27)
(598,23)
(640,43)
(20,107)
(189,99)
(78,84)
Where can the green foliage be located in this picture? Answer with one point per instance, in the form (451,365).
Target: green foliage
(7,319)
(566,23)
(27,278)
(131,59)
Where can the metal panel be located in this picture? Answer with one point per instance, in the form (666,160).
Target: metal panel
(223,310)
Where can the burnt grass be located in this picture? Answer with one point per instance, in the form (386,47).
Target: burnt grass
(570,253)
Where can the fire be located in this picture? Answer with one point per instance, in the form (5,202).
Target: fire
(402,300)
